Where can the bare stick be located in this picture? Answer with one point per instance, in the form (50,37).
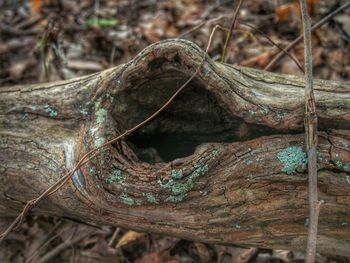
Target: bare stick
(310,123)
(229,34)
(67,243)
(299,38)
(204,16)
(94,152)
(275,44)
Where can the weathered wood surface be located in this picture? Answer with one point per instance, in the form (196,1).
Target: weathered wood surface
(224,163)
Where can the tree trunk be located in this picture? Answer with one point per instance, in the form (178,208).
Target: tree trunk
(224,163)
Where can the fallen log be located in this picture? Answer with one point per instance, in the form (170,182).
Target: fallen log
(224,163)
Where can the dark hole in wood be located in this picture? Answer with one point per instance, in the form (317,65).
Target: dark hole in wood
(193,118)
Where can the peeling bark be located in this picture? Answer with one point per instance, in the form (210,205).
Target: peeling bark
(224,163)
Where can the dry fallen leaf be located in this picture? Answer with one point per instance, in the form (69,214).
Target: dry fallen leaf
(129,237)
(36,6)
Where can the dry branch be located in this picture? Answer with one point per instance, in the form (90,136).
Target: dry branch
(311,137)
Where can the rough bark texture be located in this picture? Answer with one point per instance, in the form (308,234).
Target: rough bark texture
(224,163)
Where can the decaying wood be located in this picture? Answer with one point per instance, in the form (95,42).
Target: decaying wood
(224,163)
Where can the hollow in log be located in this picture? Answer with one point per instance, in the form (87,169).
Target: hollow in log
(224,163)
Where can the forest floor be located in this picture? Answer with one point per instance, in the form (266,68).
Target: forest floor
(47,40)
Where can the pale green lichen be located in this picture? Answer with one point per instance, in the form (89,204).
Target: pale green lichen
(33,107)
(116,176)
(215,153)
(344,166)
(93,170)
(101,115)
(99,142)
(84,112)
(176,174)
(253,113)
(280,115)
(97,104)
(51,111)
(25,116)
(249,162)
(126,199)
(292,158)
(175,199)
(265,109)
(151,198)
(181,188)
(205,72)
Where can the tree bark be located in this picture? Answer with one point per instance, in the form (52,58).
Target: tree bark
(224,163)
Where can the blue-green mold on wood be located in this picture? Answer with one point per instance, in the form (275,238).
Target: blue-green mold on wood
(344,166)
(151,198)
(126,199)
(101,115)
(176,174)
(292,158)
(99,142)
(116,176)
(51,111)
(180,186)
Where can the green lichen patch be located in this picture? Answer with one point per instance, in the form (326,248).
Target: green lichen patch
(51,111)
(25,116)
(93,170)
(98,104)
(175,199)
(84,112)
(126,199)
(215,153)
(180,185)
(252,112)
(292,158)
(33,107)
(101,115)
(280,115)
(99,142)
(176,174)
(264,109)
(151,198)
(344,166)
(181,188)
(116,176)
(249,162)
(93,130)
